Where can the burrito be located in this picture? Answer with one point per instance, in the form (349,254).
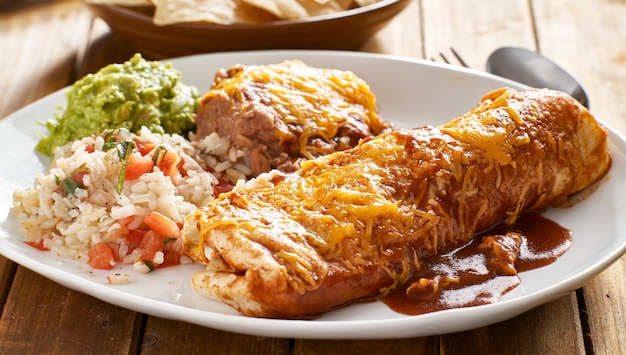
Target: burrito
(355,224)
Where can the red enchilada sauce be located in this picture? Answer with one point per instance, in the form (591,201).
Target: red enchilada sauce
(483,270)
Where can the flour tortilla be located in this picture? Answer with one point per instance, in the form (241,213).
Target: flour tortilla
(122,2)
(222,12)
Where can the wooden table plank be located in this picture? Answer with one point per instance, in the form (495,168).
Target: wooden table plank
(105,47)
(40,56)
(163,336)
(57,319)
(475,28)
(540,331)
(606,310)
(423,345)
(596,55)
(7,272)
(40,34)
(403,36)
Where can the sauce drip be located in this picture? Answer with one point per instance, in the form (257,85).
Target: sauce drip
(484,269)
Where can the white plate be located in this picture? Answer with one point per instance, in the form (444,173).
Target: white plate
(410,92)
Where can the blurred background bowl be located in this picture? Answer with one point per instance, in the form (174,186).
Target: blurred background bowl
(346,30)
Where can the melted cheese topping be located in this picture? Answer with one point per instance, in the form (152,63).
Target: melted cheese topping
(314,103)
(492,127)
(335,201)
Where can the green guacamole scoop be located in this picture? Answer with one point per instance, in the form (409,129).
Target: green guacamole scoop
(130,95)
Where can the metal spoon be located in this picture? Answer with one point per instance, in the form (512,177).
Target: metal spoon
(533,69)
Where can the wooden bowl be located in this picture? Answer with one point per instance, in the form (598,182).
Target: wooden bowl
(346,30)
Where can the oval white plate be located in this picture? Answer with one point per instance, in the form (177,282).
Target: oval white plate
(410,93)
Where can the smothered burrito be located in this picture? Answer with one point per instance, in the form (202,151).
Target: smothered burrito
(355,224)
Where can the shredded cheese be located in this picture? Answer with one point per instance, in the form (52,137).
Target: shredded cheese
(313,101)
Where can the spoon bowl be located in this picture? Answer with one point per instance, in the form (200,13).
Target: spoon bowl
(533,69)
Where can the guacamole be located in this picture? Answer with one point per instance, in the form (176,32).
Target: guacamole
(130,95)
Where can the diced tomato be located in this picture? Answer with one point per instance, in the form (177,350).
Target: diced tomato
(78,177)
(69,185)
(162,224)
(152,243)
(181,168)
(221,187)
(124,221)
(101,256)
(90,148)
(38,245)
(134,238)
(169,163)
(137,166)
(145,147)
(172,258)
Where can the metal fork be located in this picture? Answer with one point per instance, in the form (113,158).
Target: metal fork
(455,54)
(529,68)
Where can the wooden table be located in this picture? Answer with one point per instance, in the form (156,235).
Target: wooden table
(47,45)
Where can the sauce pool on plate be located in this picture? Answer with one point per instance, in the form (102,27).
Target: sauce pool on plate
(483,270)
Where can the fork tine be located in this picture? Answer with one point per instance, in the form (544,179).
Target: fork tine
(458,57)
(455,54)
(444,58)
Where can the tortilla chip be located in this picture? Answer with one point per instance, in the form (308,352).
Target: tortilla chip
(323,7)
(122,2)
(362,3)
(283,9)
(222,12)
